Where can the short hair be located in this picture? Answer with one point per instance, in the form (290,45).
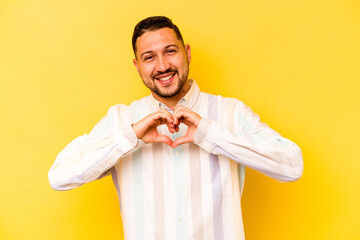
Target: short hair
(152,24)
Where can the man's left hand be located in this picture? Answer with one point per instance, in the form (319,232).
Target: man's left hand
(184,115)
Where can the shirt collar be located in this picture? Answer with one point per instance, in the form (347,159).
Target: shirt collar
(187,101)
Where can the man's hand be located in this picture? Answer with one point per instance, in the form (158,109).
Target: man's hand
(146,130)
(184,115)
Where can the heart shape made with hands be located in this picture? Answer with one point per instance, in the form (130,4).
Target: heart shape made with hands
(146,128)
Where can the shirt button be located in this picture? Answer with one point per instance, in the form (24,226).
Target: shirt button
(177,154)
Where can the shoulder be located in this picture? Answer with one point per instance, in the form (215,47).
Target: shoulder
(118,109)
(126,112)
(225,103)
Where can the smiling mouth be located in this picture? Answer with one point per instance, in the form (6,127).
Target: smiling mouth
(166,80)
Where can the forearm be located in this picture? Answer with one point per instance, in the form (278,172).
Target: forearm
(264,150)
(88,158)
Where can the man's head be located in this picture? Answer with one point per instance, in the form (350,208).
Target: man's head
(152,24)
(161,58)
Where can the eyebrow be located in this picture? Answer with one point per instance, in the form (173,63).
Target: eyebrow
(166,47)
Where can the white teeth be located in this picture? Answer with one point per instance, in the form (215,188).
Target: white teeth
(166,78)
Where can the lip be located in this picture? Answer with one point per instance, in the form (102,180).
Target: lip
(164,75)
(165,82)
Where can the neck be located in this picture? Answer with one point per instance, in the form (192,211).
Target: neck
(173,101)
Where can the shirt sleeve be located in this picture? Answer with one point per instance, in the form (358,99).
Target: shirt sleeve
(90,157)
(253,144)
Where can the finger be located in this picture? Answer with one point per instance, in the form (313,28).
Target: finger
(171,127)
(160,118)
(185,121)
(186,116)
(168,120)
(152,120)
(168,117)
(164,139)
(181,116)
(177,114)
(164,111)
(164,118)
(180,140)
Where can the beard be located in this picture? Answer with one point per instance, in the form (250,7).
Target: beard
(168,93)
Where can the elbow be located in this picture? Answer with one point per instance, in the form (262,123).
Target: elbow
(60,182)
(292,175)
(297,171)
(296,174)
(53,183)
(56,187)
(60,187)
(296,168)
(56,184)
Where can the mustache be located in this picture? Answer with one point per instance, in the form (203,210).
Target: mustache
(170,70)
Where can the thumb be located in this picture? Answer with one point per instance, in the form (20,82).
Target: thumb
(180,140)
(164,139)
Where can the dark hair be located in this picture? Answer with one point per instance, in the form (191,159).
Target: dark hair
(152,24)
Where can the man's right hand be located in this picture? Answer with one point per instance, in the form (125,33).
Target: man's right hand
(146,128)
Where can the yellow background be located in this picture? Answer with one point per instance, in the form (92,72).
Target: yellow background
(296,63)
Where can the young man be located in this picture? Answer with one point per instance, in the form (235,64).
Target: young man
(178,156)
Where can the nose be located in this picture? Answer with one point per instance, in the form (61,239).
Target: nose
(162,64)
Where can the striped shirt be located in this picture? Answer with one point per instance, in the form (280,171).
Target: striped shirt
(192,191)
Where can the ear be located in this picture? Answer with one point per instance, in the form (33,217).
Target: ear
(136,65)
(188,52)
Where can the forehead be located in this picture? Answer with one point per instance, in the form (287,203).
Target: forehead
(156,40)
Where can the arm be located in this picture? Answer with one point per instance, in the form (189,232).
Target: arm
(89,157)
(252,144)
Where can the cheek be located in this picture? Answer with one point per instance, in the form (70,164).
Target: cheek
(184,61)
(146,71)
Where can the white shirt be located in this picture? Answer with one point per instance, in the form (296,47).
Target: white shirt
(192,191)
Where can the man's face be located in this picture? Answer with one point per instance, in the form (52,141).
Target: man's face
(162,62)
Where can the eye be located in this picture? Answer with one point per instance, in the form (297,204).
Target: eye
(171,51)
(148,58)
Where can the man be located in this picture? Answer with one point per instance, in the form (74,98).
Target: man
(178,156)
